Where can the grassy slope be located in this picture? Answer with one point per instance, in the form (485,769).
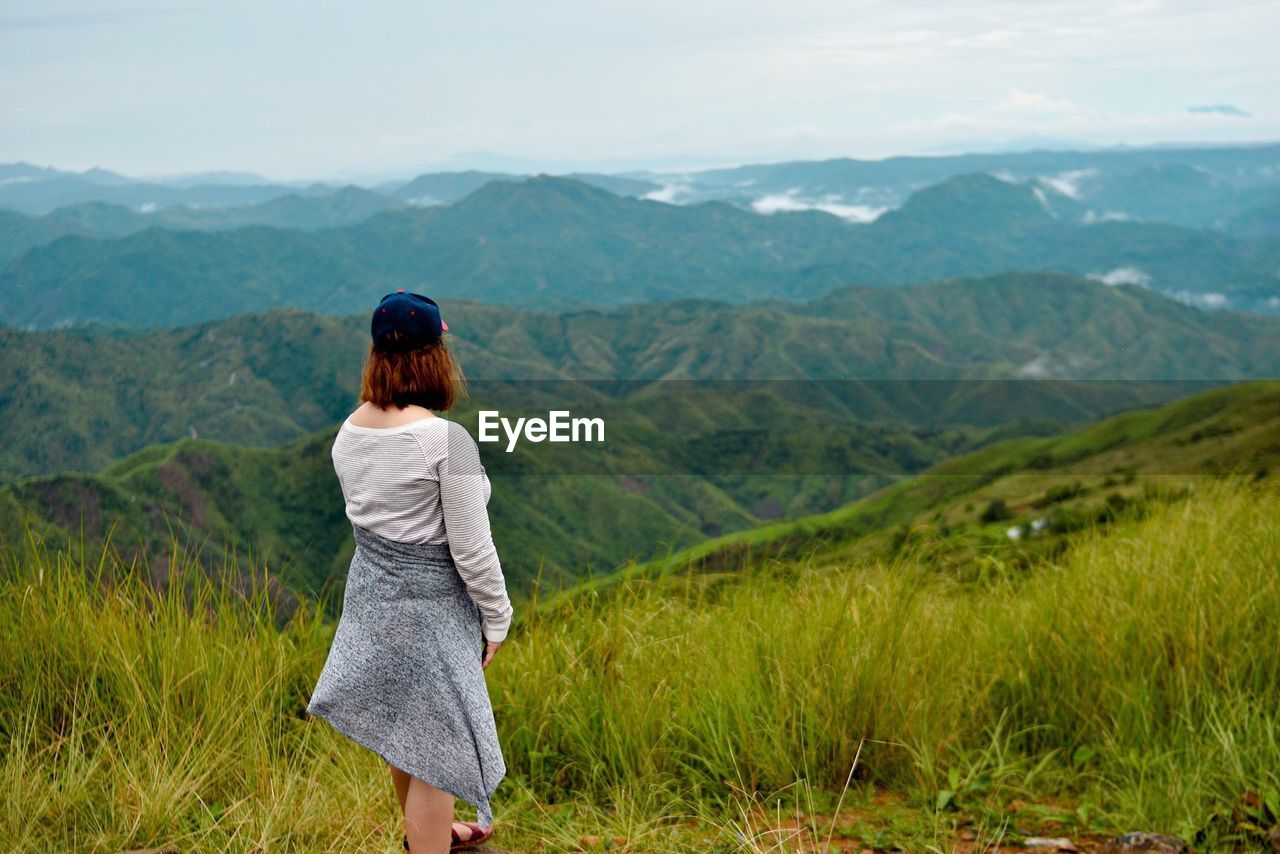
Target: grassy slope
(1069,480)
(1131,683)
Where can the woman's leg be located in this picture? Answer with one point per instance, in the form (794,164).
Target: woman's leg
(428,818)
(400,779)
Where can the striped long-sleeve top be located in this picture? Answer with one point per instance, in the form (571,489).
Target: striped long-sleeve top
(422,482)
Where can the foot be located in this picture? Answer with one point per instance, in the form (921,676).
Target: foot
(461,832)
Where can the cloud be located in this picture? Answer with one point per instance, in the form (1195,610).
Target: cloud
(832,204)
(1043,199)
(1091,216)
(987,38)
(1219,110)
(1036,103)
(1044,366)
(1211,300)
(1068,183)
(671,193)
(798,133)
(1123,276)
(1038,368)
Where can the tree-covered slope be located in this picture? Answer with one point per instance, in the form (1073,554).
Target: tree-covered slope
(79,399)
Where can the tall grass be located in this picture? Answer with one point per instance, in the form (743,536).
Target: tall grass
(1140,676)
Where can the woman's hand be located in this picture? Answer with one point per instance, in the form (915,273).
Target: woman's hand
(490,650)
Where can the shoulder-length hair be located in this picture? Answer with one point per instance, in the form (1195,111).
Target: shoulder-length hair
(427,376)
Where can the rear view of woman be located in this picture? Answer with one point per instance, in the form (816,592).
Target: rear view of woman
(425,607)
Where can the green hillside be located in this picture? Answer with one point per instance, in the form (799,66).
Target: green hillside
(956,517)
(80,399)
(556,242)
(563,513)
(557,513)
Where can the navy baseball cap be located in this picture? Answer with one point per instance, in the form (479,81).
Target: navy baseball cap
(417,317)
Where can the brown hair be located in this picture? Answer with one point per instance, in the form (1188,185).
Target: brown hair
(427,376)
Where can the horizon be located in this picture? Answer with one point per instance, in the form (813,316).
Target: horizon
(511,164)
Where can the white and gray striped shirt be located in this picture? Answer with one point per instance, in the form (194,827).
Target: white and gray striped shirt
(422,482)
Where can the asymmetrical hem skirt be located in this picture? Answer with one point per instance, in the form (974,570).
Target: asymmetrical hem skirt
(403,675)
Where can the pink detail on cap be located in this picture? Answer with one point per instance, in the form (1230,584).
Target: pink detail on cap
(444,326)
(400,291)
(412,312)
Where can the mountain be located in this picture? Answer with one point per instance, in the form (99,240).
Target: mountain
(46,194)
(619,185)
(81,398)
(442,188)
(309,212)
(974,203)
(558,243)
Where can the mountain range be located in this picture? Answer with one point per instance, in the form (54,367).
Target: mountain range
(1194,186)
(560,243)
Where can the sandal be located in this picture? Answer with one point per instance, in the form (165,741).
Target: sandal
(478,834)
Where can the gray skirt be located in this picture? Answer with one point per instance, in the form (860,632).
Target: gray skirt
(403,675)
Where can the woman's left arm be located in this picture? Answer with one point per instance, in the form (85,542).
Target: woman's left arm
(464,494)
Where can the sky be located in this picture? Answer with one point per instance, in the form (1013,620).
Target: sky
(377,89)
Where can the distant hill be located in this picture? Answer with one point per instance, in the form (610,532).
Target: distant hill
(442,188)
(1197,187)
(44,194)
(558,243)
(1263,220)
(79,399)
(307,212)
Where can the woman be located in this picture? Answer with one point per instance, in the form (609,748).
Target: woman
(425,607)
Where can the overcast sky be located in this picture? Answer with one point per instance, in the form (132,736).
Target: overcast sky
(375,88)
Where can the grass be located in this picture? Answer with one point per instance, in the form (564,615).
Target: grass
(1131,683)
